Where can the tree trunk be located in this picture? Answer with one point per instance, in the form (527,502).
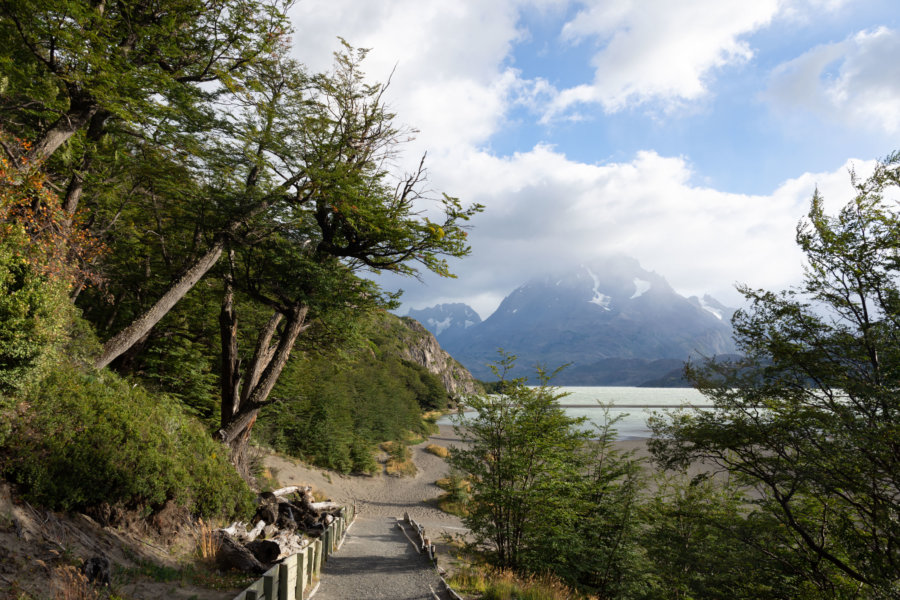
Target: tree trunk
(123,340)
(80,113)
(241,402)
(230,377)
(76,182)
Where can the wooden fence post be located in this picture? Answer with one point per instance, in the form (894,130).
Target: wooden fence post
(270,586)
(301,573)
(319,558)
(287,578)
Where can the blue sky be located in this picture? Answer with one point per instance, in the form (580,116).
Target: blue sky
(687,134)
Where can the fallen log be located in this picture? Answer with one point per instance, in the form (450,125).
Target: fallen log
(265,551)
(254,533)
(291,489)
(232,555)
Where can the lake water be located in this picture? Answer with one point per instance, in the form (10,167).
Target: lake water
(633,404)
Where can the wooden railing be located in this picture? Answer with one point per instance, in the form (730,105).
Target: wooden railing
(294,578)
(425,545)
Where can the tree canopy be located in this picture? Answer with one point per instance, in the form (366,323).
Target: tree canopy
(177,133)
(809,416)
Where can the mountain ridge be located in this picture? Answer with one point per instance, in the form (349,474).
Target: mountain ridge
(592,316)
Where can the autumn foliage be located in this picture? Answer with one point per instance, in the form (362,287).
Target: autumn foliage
(41,253)
(51,242)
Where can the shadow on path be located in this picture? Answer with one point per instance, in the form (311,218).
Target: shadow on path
(377,561)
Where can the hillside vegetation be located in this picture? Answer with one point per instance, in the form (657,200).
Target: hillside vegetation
(187,220)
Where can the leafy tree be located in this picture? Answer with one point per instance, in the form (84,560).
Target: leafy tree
(700,541)
(521,453)
(119,100)
(809,418)
(599,549)
(68,66)
(329,139)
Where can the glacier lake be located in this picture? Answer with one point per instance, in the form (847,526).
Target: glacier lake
(632,404)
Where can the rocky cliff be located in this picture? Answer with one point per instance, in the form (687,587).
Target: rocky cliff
(420,347)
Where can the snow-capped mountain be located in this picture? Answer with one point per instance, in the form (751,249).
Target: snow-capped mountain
(446,320)
(716,308)
(616,323)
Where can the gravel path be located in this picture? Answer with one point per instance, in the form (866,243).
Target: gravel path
(377,561)
(382,495)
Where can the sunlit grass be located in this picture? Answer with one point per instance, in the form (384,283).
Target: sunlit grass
(399,462)
(455,501)
(437,450)
(490,584)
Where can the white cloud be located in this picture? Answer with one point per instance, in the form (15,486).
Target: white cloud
(659,50)
(545,211)
(855,82)
(449,79)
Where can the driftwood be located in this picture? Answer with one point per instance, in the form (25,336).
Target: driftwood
(282,519)
(291,489)
(265,551)
(232,555)
(254,533)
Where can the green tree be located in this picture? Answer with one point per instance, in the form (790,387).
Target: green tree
(68,66)
(599,549)
(700,541)
(119,101)
(329,140)
(810,417)
(523,456)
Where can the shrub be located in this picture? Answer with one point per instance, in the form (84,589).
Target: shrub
(440,451)
(399,462)
(33,308)
(80,439)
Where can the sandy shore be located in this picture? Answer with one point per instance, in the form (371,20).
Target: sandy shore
(383,495)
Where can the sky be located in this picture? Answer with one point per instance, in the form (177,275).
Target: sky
(689,135)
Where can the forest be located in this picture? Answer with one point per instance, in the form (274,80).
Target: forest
(190,221)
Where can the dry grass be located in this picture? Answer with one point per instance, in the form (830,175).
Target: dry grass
(491,584)
(399,463)
(438,450)
(71,584)
(267,480)
(433,415)
(208,542)
(446,503)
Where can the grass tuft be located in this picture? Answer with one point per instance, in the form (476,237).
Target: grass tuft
(399,462)
(208,542)
(456,500)
(437,450)
(491,584)
(71,584)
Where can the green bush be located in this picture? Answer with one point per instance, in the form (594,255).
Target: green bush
(33,310)
(334,413)
(80,439)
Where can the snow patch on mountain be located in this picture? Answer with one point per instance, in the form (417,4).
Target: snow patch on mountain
(436,327)
(641,287)
(711,309)
(600,299)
